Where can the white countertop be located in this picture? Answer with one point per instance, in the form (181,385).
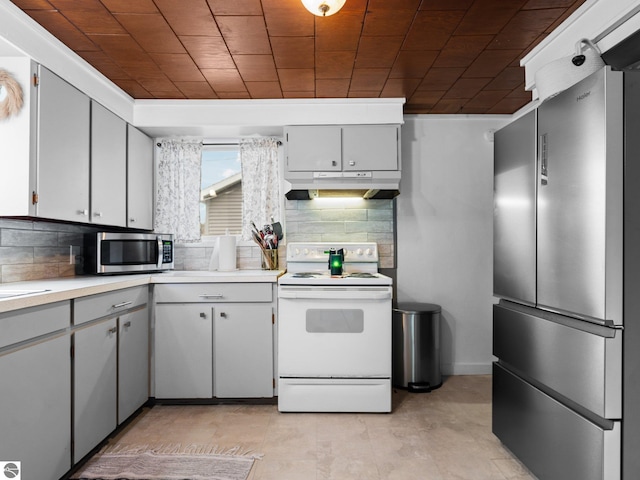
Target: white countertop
(59,289)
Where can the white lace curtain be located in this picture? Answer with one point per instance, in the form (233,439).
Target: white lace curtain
(178,189)
(260,182)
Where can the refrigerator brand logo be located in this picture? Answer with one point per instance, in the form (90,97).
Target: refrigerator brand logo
(10,470)
(583,96)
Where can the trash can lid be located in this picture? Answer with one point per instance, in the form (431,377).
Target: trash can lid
(415,307)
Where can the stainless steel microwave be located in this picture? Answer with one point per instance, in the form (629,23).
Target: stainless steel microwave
(113,253)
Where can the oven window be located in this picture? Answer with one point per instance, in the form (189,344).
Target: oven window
(340,320)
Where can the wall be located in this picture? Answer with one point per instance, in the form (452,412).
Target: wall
(445,231)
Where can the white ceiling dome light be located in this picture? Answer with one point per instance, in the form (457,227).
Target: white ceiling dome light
(323,8)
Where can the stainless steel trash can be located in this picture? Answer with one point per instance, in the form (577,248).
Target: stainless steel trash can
(416,346)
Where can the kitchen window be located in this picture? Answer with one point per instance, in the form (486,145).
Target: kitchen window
(221,190)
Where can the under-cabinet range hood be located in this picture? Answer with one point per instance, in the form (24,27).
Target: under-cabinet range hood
(368,185)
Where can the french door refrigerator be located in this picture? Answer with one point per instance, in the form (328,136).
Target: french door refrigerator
(566,383)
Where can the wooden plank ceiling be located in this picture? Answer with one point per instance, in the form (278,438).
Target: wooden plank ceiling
(443,56)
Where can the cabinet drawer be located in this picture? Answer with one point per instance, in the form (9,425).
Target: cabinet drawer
(552,440)
(213,292)
(21,325)
(110,303)
(579,360)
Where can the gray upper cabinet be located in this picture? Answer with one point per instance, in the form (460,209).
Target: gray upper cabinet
(370,147)
(314,148)
(139,179)
(514,221)
(108,167)
(63,150)
(336,148)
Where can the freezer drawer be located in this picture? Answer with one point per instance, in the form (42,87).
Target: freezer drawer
(576,359)
(554,442)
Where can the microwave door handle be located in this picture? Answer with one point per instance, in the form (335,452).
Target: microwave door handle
(159,241)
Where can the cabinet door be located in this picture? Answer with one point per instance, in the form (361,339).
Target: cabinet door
(314,148)
(63,150)
(35,408)
(95,387)
(133,362)
(139,180)
(183,351)
(108,167)
(243,351)
(370,147)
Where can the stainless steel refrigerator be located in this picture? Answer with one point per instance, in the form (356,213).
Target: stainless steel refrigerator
(566,383)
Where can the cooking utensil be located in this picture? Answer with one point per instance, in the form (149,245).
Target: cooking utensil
(277,229)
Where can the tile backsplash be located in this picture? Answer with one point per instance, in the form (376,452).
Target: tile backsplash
(34,249)
(336,220)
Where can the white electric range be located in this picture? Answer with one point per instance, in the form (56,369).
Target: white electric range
(334,332)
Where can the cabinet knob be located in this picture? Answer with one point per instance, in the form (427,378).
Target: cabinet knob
(97,214)
(127,324)
(352,163)
(203,315)
(112,330)
(84,212)
(132,220)
(223,315)
(333,163)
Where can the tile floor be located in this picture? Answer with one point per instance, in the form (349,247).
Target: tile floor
(442,435)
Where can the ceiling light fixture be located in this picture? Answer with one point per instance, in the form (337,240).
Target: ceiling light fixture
(323,8)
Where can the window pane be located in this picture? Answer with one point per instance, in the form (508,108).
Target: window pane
(221,194)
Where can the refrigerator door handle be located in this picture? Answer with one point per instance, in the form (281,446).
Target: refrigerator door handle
(544,158)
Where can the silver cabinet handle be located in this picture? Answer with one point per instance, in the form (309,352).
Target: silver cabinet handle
(97,214)
(132,220)
(83,212)
(127,324)
(211,295)
(120,305)
(112,330)
(351,163)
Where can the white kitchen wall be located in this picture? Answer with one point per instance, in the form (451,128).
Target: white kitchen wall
(445,230)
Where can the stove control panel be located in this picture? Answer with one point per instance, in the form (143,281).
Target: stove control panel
(319,251)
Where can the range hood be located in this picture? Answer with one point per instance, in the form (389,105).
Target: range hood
(368,185)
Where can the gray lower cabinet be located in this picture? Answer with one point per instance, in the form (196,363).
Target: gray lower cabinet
(35,403)
(242,351)
(95,385)
(214,340)
(183,351)
(133,362)
(111,363)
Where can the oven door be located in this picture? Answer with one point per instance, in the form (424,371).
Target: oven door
(334,332)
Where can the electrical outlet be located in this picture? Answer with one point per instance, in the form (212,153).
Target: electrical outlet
(74,252)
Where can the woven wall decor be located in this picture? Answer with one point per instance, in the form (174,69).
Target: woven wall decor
(11,95)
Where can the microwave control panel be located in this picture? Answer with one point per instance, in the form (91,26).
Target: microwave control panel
(167,251)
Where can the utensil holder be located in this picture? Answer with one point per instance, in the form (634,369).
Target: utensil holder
(270,259)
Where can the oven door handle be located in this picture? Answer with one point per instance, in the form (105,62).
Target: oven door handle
(335,294)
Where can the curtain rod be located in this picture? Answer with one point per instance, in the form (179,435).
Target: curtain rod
(225,144)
